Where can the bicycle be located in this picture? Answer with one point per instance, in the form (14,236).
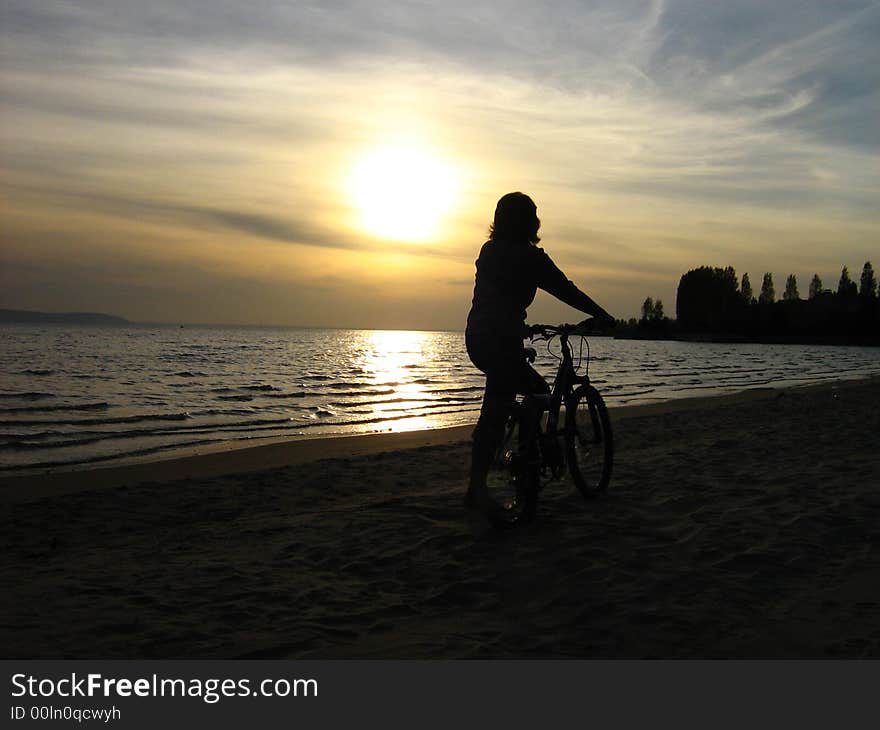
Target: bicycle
(531,450)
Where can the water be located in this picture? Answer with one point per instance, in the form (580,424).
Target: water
(86,395)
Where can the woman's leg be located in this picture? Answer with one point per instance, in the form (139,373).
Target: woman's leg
(505,377)
(530,382)
(498,402)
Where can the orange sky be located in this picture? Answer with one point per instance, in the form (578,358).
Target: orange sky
(169,165)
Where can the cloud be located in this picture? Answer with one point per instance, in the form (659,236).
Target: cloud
(255,225)
(629,121)
(810,66)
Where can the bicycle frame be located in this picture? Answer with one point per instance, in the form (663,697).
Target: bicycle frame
(563,385)
(534,405)
(522,458)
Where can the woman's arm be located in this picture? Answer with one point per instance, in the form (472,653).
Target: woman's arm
(551,279)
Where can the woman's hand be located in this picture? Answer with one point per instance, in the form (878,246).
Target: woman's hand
(604,320)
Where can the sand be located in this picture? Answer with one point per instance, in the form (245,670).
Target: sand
(742,526)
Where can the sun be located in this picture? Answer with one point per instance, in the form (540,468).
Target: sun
(402,192)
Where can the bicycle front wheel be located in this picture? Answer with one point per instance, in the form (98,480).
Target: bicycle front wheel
(589,445)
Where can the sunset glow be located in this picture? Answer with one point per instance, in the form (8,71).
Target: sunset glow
(402,193)
(340,168)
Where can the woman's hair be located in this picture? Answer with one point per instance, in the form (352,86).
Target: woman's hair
(516,220)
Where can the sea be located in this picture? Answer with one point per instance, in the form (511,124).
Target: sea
(76,396)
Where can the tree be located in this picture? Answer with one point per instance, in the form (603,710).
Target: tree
(868,283)
(815,286)
(791,289)
(746,289)
(768,293)
(652,315)
(708,299)
(846,286)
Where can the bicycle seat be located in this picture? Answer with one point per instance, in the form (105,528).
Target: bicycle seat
(531,353)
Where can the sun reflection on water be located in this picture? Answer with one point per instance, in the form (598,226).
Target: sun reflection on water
(393,360)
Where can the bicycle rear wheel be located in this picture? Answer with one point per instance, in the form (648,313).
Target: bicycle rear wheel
(512,482)
(589,444)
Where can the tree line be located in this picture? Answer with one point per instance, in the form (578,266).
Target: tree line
(713,301)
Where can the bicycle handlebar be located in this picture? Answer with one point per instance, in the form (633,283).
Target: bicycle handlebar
(585,327)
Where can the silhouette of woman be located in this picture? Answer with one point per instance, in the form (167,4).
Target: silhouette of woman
(510,269)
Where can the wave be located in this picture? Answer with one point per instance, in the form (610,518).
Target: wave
(367,421)
(99,421)
(225,412)
(24,445)
(175,356)
(351,393)
(52,439)
(632,393)
(28,395)
(51,409)
(267,391)
(60,439)
(37,372)
(54,464)
(404,399)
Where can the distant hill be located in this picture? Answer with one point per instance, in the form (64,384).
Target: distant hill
(24,316)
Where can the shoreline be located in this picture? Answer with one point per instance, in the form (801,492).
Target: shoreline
(720,338)
(244,457)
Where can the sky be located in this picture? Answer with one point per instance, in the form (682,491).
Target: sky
(337,163)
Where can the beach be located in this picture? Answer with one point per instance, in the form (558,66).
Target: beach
(741,526)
